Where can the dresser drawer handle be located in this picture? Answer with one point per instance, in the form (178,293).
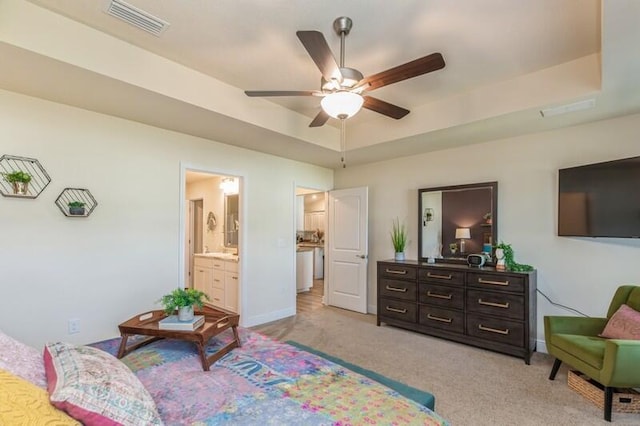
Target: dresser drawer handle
(493,330)
(432,317)
(393,271)
(439,296)
(442,277)
(400,311)
(483,281)
(495,305)
(399,290)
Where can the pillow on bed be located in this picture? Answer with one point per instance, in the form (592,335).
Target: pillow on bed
(22,360)
(95,387)
(23,403)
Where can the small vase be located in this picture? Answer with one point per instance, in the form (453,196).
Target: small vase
(399,255)
(20,188)
(185,313)
(500,264)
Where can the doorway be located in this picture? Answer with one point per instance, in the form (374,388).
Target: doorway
(309,262)
(194,234)
(212,226)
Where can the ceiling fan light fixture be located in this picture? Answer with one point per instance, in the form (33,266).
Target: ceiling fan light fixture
(342,104)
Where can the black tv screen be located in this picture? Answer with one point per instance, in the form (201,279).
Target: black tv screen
(600,200)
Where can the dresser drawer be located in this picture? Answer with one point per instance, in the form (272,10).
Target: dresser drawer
(495,303)
(497,330)
(405,311)
(405,290)
(443,319)
(439,276)
(496,281)
(440,295)
(398,271)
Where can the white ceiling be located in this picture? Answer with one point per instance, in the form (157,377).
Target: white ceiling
(505,60)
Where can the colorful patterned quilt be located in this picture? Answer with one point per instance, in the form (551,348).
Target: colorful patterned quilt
(264,382)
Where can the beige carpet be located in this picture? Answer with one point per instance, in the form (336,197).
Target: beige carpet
(472,386)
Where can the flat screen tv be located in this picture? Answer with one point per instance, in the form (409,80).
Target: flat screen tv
(600,200)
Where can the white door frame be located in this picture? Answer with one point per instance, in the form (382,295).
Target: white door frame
(182,234)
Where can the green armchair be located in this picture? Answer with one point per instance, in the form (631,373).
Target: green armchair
(613,363)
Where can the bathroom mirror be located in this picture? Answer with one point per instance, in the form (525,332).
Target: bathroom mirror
(231,220)
(456,221)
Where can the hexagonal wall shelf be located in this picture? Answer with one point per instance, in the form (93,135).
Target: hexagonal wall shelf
(82,198)
(39,177)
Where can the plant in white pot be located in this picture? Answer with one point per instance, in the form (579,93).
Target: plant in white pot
(399,238)
(19,180)
(183,300)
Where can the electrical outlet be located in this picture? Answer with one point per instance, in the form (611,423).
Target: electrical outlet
(74,325)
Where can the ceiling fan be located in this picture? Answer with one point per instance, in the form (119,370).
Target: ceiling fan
(343,89)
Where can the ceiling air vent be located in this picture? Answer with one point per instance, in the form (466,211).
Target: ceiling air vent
(136,17)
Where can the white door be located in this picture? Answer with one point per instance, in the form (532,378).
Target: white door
(347,249)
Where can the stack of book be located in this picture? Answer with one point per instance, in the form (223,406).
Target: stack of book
(173,323)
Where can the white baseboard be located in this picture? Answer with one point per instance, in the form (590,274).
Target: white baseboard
(541,346)
(372,309)
(271,316)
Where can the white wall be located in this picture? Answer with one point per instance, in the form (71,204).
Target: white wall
(119,261)
(579,272)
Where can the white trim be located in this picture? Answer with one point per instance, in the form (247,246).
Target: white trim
(242,242)
(372,309)
(271,316)
(541,346)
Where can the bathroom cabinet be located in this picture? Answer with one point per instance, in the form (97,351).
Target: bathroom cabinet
(218,279)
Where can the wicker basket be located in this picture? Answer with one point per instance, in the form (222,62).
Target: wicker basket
(624,400)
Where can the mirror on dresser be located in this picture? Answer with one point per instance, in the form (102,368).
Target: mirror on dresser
(456,221)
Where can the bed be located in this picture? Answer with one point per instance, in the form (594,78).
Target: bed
(264,382)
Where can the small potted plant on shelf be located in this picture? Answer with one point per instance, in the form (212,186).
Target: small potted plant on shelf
(453,247)
(76,208)
(399,238)
(487,218)
(183,300)
(19,180)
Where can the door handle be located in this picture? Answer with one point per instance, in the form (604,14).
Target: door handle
(361,256)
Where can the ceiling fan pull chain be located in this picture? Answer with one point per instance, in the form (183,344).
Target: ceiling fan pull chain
(343,142)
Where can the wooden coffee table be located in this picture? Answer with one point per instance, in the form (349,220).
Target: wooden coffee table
(216,321)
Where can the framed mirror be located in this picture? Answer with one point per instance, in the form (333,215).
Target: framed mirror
(231,220)
(456,221)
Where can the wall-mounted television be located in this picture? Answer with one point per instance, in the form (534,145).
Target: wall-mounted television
(600,200)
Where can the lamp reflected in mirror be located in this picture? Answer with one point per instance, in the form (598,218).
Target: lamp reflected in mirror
(462,234)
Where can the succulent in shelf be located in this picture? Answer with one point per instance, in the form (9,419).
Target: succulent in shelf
(19,180)
(17,176)
(76,208)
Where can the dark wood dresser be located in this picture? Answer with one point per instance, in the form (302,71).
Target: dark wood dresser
(482,307)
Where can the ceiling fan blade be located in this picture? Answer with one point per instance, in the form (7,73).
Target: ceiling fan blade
(319,50)
(320,119)
(384,108)
(406,71)
(255,93)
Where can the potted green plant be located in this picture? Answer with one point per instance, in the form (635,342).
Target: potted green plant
(76,208)
(399,238)
(19,180)
(453,247)
(506,259)
(183,300)
(487,218)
